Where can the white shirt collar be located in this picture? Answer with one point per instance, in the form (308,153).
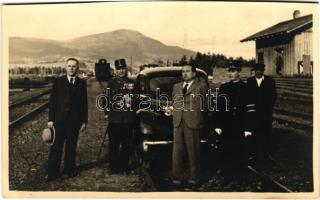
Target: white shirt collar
(236,81)
(259,80)
(262,78)
(190,83)
(69,78)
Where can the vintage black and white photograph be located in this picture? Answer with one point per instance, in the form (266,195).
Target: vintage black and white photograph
(173,99)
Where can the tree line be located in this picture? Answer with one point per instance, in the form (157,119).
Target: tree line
(43,70)
(204,61)
(208,61)
(40,70)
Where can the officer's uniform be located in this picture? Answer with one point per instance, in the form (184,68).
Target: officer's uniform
(121,120)
(231,121)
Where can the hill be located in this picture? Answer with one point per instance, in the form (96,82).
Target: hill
(111,45)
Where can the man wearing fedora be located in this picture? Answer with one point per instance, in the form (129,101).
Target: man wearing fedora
(230,124)
(189,108)
(261,96)
(68,114)
(121,117)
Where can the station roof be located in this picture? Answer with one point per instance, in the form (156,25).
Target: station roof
(282,28)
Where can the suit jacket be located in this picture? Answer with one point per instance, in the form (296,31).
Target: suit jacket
(191,108)
(260,102)
(66,102)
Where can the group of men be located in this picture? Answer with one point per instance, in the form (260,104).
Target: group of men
(242,122)
(246,118)
(245,126)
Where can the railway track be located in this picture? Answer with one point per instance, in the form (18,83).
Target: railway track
(160,180)
(15,123)
(22,110)
(298,92)
(28,99)
(268,182)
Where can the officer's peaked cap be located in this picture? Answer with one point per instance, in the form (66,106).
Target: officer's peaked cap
(235,65)
(120,63)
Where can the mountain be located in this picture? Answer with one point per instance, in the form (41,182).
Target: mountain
(110,45)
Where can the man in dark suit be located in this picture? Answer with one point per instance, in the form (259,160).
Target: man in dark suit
(68,113)
(230,123)
(189,106)
(261,96)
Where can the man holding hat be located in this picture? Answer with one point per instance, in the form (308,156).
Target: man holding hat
(68,114)
(261,96)
(230,123)
(121,117)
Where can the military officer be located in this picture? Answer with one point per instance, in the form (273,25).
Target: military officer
(121,117)
(229,123)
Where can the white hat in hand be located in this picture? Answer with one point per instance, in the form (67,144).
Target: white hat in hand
(48,135)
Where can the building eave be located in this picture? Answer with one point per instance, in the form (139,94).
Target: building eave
(273,32)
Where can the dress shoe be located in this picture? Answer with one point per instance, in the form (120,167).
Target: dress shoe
(50,178)
(73,174)
(193,184)
(177,184)
(70,174)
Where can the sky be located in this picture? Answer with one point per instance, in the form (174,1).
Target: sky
(215,27)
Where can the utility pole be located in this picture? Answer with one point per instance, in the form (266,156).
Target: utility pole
(185,39)
(131,64)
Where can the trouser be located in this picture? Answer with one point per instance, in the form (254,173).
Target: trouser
(186,140)
(68,134)
(233,158)
(119,138)
(262,146)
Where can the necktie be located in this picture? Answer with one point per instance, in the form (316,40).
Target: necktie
(71,83)
(185,88)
